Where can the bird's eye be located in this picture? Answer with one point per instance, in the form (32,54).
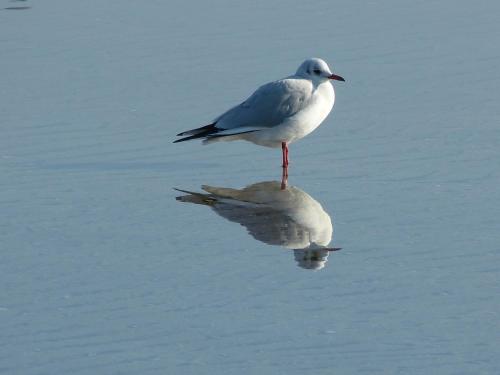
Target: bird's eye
(317,71)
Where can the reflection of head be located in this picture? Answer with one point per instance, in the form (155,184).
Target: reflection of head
(311,259)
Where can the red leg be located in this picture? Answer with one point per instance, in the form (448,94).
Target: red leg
(284,174)
(284,150)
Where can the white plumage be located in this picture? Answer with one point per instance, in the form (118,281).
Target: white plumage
(277,113)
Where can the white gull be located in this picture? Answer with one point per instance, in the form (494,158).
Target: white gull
(277,113)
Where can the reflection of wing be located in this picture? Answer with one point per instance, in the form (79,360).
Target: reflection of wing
(269,105)
(289,218)
(284,217)
(266,224)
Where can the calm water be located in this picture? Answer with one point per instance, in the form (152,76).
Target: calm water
(103,271)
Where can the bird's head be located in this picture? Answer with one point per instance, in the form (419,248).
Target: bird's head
(317,70)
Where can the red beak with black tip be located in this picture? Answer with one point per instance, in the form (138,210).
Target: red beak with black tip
(336,77)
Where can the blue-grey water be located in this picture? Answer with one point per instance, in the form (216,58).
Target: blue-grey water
(103,271)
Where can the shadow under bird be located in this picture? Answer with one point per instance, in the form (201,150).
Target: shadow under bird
(284,217)
(277,113)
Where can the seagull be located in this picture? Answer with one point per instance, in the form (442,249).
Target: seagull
(277,113)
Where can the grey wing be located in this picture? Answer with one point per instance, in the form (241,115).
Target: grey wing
(269,106)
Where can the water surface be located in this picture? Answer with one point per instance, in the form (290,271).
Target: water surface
(104,271)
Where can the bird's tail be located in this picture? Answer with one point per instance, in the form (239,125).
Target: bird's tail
(197,133)
(213,134)
(197,198)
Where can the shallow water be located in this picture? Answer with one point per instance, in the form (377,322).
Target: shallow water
(104,271)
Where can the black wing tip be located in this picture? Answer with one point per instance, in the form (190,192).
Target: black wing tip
(202,132)
(206,128)
(187,132)
(191,137)
(333,248)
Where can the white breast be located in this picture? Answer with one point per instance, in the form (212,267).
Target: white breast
(300,124)
(313,115)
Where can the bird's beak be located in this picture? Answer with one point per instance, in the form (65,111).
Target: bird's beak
(336,77)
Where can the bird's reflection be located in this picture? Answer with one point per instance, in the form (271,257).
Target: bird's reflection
(275,214)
